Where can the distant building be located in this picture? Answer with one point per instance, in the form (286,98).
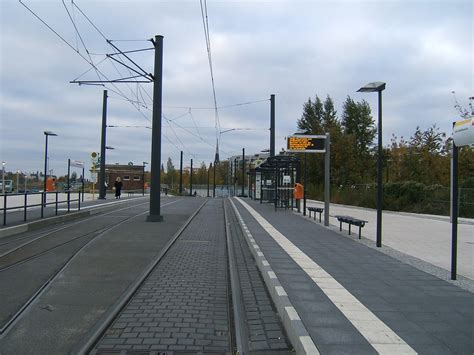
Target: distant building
(253,160)
(131,175)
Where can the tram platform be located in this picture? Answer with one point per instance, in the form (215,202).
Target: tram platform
(165,288)
(351,298)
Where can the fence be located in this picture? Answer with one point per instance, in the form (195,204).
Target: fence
(406,196)
(32,201)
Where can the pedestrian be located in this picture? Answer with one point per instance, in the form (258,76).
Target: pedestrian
(118,187)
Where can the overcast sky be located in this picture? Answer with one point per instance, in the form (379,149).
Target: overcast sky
(423,50)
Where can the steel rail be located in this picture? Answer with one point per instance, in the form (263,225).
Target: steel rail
(240,327)
(47,234)
(15,317)
(95,334)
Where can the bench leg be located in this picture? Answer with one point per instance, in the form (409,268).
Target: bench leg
(350,228)
(360,227)
(340,226)
(319,217)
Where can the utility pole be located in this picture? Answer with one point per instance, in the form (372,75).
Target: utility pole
(272,125)
(235,176)
(208,178)
(102,190)
(243,171)
(191,180)
(181,174)
(155,198)
(68,173)
(214,184)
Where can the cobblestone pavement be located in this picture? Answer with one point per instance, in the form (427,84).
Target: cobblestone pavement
(264,326)
(183,305)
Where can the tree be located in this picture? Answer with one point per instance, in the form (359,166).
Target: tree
(311,119)
(170,172)
(357,120)
(359,130)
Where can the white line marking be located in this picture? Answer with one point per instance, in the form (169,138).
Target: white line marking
(377,333)
(271,274)
(292,314)
(280,291)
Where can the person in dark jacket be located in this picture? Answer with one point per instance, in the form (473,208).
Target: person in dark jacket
(118,187)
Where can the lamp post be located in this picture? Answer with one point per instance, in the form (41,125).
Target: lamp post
(3,176)
(378,87)
(47,134)
(18,181)
(143,178)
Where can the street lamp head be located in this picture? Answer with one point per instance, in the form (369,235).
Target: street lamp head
(373,87)
(49,133)
(4,163)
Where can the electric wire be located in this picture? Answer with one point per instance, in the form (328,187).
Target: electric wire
(205,21)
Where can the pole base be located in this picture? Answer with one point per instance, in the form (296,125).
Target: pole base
(154,218)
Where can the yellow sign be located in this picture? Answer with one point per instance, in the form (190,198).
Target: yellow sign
(306,143)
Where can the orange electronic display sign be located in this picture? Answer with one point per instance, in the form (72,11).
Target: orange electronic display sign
(306,144)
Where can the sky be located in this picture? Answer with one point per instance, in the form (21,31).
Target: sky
(422,49)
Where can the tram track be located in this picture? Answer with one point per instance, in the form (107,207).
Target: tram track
(211,328)
(16,262)
(39,235)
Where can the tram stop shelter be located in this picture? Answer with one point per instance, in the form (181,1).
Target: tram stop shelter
(274,179)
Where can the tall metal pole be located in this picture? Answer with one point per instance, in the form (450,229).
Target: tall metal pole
(208,178)
(454,217)
(214,181)
(68,173)
(3,177)
(45,164)
(191,180)
(83,172)
(379,174)
(181,174)
(102,189)
(155,198)
(235,176)
(243,171)
(143,179)
(305,183)
(327,178)
(272,125)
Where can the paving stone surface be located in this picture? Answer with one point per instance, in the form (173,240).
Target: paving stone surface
(183,305)
(429,314)
(264,326)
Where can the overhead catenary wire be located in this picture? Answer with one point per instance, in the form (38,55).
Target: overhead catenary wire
(219,107)
(138,97)
(205,22)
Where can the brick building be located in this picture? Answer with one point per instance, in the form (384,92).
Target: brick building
(132,176)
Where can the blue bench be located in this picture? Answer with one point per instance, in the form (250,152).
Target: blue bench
(351,221)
